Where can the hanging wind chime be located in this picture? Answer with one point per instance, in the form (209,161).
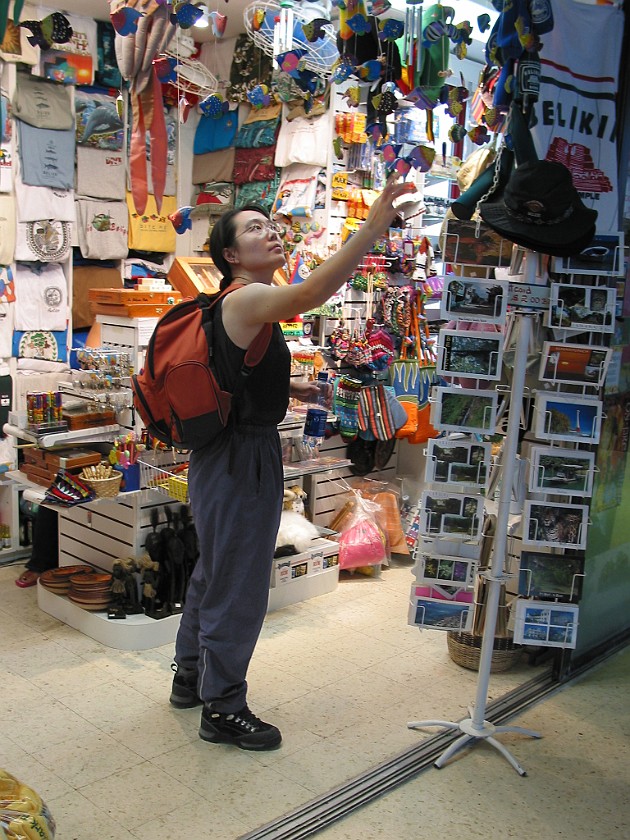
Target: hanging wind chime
(412,39)
(283,30)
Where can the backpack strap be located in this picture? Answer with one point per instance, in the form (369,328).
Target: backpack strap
(256,350)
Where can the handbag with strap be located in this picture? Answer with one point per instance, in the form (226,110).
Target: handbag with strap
(412,377)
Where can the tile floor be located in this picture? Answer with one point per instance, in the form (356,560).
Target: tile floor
(90,727)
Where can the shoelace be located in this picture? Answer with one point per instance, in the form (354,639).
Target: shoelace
(246,720)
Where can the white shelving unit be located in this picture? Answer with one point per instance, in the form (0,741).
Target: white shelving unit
(136,632)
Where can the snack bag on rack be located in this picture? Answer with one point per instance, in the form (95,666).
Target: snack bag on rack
(23,814)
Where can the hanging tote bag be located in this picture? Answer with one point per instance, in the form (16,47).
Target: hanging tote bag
(426,379)
(404,376)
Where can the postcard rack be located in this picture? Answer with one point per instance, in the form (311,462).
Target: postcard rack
(568,369)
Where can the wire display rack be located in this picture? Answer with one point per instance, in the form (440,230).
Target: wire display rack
(166,472)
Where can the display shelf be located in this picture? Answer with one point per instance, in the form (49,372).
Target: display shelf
(314,465)
(136,632)
(99,434)
(10,555)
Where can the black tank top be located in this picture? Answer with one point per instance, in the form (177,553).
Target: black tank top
(265,398)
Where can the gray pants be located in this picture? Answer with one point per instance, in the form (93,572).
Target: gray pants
(235,487)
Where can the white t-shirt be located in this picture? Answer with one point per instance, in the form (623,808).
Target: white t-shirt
(576,121)
(36,203)
(41,297)
(304,141)
(6,329)
(47,240)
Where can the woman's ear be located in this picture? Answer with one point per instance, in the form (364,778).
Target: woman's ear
(230,255)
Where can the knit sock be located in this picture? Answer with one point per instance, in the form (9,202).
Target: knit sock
(347,407)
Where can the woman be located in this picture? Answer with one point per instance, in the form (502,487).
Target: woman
(236,483)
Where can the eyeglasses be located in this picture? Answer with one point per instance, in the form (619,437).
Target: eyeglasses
(259,229)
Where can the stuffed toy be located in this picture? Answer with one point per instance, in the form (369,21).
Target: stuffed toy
(295,533)
(294,499)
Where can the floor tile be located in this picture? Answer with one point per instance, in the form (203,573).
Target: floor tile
(78,818)
(182,822)
(90,728)
(135,792)
(92,758)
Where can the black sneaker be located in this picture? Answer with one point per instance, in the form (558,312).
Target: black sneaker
(184,691)
(243,729)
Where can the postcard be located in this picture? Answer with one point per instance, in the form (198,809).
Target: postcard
(451,515)
(574,364)
(561,472)
(448,547)
(464,410)
(551,577)
(588,308)
(555,526)
(439,592)
(477,300)
(544,624)
(475,244)
(453,571)
(575,419)
(437,614)
(476,355)
(603,256)
(458,462)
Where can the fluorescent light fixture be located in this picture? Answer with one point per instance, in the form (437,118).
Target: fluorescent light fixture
(203,22)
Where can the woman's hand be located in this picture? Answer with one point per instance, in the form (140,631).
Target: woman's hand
(382,212)
(304,391)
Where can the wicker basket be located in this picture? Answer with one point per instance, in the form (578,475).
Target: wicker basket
(465,650)
(105,488)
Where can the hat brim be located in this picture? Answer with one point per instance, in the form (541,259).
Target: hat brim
(564,239)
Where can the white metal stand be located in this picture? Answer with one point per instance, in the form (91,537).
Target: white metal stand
(475,728)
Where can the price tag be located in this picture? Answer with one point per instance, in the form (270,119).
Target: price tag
(534,297)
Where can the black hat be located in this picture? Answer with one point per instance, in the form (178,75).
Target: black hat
(540,209)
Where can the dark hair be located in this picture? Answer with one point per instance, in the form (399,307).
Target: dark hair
(224,235)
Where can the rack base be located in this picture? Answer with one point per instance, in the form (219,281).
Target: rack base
(472,734)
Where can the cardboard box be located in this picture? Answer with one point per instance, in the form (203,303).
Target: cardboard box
(306,575)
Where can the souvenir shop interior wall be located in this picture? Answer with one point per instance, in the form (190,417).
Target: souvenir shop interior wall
(312,130)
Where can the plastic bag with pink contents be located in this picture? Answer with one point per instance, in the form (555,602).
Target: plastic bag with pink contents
(362,542)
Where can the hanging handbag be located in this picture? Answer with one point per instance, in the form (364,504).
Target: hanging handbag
(412,378)
(405,375)
(381,347)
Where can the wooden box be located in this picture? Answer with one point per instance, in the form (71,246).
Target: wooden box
(82,419)
(192,275)
(133,310)
(120,297)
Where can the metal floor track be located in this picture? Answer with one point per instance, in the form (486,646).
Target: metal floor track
(313,816)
